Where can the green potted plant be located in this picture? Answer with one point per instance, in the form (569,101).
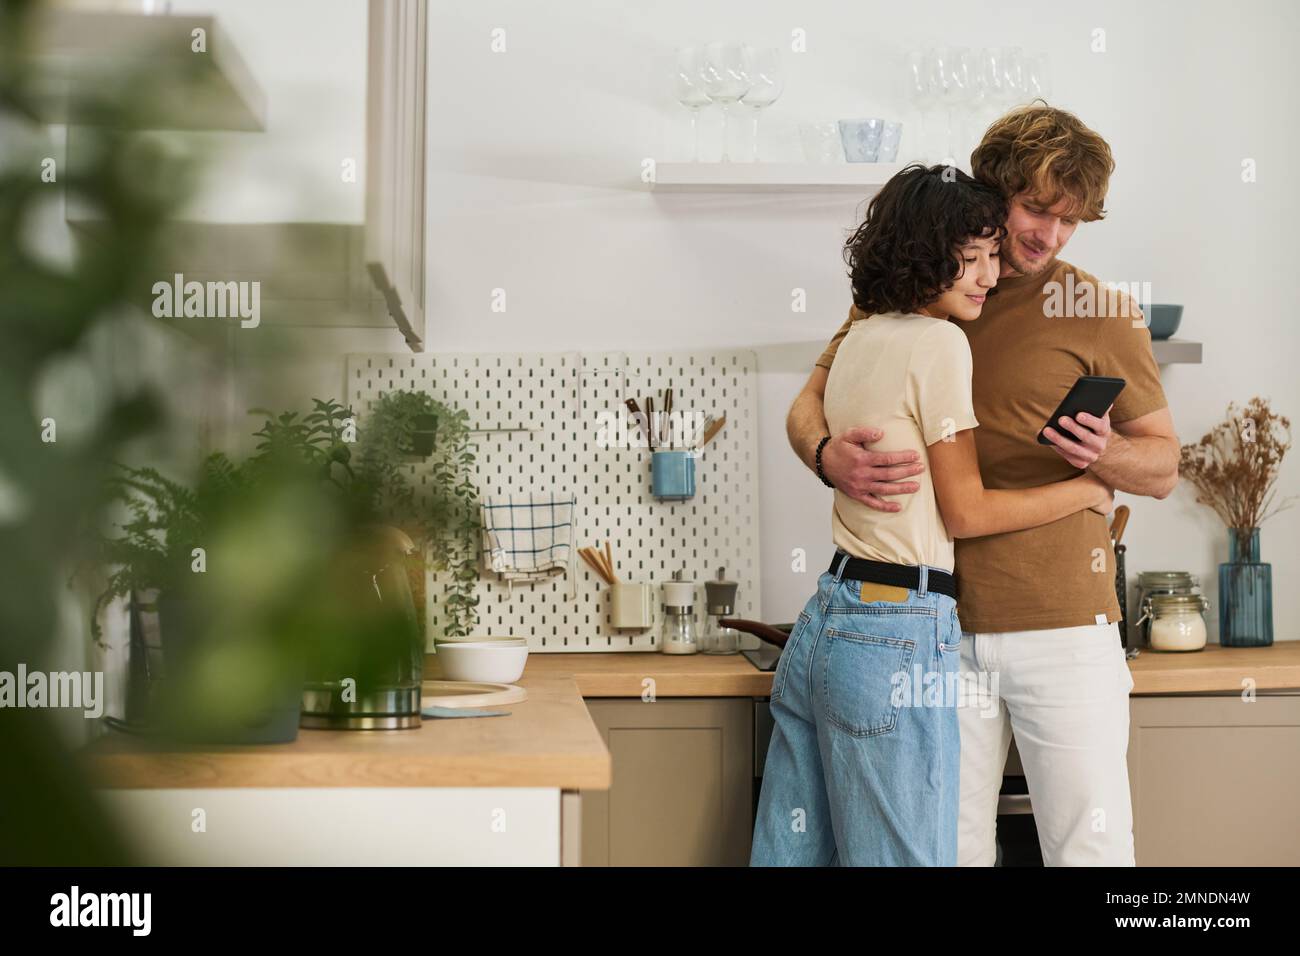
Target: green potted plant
(425,436)
(444,520)
(269,567)
(235,576)
(229,669)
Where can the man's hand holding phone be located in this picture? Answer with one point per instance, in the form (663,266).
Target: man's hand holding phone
(1080,427)
(1089,442)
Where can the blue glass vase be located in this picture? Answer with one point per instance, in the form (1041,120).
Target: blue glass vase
(1245,593)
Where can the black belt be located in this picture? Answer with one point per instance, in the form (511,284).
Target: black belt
(899,575)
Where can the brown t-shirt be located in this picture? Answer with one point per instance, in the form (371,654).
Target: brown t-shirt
(1026,356)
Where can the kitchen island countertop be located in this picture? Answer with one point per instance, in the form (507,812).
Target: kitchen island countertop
(548,740)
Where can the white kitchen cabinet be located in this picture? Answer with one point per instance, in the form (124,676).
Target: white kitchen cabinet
(395,157)
(347,826)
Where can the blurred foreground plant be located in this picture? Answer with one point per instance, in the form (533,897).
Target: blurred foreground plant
(50,481)
(152,548)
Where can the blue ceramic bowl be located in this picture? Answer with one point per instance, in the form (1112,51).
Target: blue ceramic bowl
(1163,320)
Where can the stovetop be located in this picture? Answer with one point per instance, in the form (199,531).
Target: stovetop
(764,657)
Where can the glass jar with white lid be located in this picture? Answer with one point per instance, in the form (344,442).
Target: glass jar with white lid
(1153,584)
(1177,622)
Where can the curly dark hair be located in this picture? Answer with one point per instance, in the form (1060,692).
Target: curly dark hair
(905,254)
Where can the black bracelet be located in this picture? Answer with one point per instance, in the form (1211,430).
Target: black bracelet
(821,474)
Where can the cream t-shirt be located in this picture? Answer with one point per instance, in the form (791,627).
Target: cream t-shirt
(910,376)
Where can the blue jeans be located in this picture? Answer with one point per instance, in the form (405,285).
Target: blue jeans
(863,765)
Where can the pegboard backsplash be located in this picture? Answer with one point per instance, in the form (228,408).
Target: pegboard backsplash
(539,420)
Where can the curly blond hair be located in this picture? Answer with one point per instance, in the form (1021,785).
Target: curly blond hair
(1049,154)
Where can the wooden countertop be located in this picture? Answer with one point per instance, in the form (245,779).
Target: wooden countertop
(548,740)
(1213,670)
(631,673)
(1217,669)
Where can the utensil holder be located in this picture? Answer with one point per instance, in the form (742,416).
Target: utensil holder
(672,475)
(631,605)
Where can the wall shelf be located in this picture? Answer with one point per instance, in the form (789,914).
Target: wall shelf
(1176,352)
(77,52)
(861,178)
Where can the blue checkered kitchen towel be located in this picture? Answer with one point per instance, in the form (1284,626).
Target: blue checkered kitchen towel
(528,537)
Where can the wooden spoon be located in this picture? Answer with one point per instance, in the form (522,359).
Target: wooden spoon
(713,430)
(1118,524)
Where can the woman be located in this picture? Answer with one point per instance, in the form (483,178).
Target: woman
(862,769)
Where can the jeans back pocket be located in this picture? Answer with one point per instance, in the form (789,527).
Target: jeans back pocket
(862,671)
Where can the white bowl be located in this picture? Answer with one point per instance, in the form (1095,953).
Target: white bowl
(488,661)
(490,639)
(512,642)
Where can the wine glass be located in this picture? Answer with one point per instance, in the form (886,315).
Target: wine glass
(976,95)
(766,85)
(985,88)
(726,80)
(1038,77)
(990,82)
(921,78)
(688,89)
(955,74)
(1013,74)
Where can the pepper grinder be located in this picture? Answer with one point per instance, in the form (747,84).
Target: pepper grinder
(720,602)
(678,635)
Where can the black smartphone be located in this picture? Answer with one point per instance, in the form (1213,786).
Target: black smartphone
(1093,394)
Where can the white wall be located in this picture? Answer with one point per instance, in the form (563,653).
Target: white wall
(533,188)
(534,158)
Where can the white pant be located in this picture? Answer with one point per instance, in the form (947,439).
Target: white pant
(1063,692)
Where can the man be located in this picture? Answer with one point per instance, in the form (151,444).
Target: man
(1038,607)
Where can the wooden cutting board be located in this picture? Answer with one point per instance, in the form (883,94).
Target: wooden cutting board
(463,693)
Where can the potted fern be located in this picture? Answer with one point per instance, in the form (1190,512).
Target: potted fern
(219,670)
(231,575)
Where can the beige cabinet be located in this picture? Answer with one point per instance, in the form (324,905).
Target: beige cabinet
(1215,780)
(682,783)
